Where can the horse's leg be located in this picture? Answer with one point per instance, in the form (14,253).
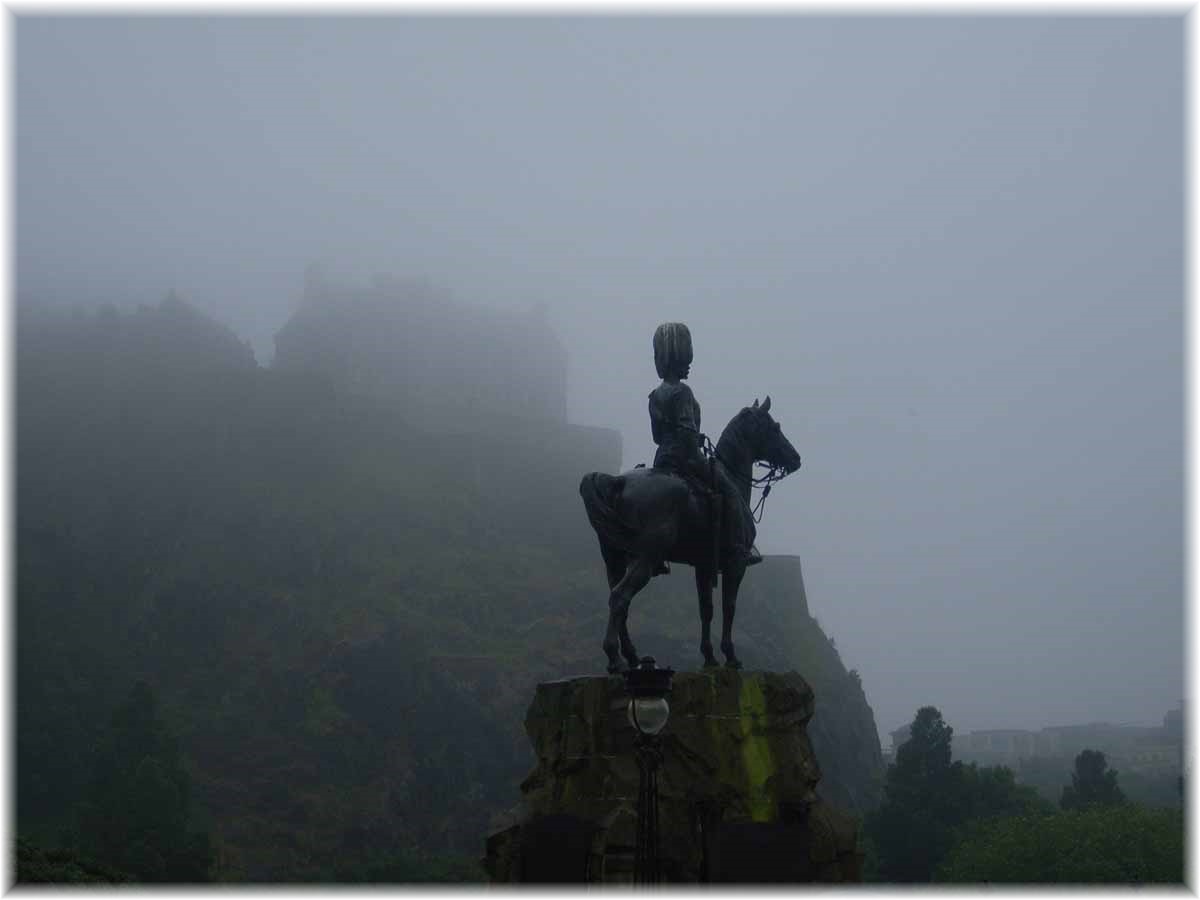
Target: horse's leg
(704,583)
(612,635)
(730,583)
(615,563)
(636,578)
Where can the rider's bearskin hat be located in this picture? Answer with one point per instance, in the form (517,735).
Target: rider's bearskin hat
(672,348)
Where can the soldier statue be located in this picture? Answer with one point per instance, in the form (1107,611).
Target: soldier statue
(686,508)
(675,427)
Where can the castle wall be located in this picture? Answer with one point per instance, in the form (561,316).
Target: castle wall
(441,363)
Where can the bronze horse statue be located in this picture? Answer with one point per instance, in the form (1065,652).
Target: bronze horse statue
(645,517)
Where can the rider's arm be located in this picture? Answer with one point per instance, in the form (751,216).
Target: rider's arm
(686,417)
(655,420)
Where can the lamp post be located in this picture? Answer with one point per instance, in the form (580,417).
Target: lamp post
(648,711)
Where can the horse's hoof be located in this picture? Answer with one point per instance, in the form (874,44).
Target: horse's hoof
(614,661)
(710,662)
(733,664)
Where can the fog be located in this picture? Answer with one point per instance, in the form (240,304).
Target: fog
(949,249)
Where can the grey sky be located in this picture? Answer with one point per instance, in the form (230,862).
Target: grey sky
(950,249)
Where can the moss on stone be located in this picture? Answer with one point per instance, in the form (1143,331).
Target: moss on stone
(757,759)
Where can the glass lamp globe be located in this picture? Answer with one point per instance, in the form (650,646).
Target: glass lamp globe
(648,715)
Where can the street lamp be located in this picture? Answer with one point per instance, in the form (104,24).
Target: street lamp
(648,711)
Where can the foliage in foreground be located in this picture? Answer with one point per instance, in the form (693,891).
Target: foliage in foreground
(1120,844)
(412,867)
(135,813)
(37,865)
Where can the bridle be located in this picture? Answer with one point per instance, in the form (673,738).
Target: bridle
(765,481)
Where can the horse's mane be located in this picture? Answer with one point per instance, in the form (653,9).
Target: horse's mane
(733,434)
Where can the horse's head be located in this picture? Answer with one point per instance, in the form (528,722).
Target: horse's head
(766,439)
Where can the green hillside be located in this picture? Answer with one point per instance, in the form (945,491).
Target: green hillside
(342,615)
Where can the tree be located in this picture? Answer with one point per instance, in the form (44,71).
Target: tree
(1091,782)
(136,809)
(988,792)
(1119,844)
(37,865)
(910,830)
(924,759)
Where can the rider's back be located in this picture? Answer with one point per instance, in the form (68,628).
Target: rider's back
(675,426)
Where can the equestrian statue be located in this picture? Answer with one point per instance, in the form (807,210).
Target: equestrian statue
(691,507)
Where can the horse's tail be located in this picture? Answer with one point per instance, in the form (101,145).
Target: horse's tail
(602,499)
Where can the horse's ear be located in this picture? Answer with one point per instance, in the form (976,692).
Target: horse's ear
(766,407)
(755,406)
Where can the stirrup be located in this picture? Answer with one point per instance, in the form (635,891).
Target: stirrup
(753,557)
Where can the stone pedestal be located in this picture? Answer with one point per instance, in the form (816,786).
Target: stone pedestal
(737,788)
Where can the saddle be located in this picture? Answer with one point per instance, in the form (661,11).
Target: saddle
(708,490)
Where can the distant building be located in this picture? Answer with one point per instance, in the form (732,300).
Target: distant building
(1173,724)
(1149,750)
(1133,748)
(995,746)
(442,364)
(899,736)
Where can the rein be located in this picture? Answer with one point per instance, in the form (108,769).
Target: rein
(774,474)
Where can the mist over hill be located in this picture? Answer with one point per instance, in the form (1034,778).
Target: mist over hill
(448,365)
(340,576)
